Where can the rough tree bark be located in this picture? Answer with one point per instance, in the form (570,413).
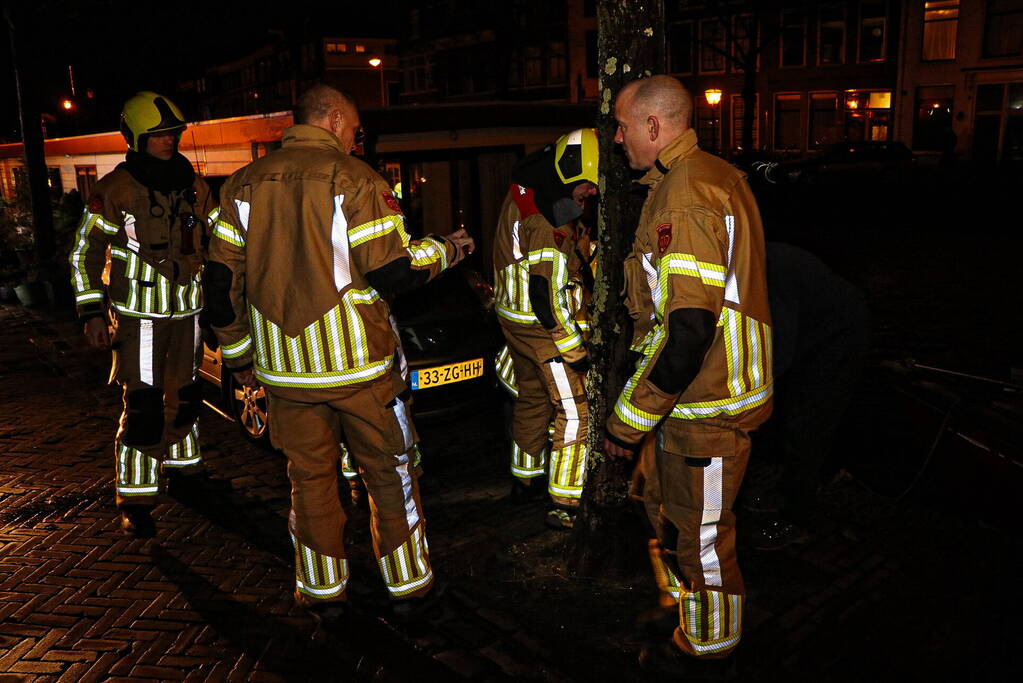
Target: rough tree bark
(630,44)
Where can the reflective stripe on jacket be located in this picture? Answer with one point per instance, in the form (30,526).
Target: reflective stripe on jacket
(149,275)
(526,246)
(299,230)
(699,245)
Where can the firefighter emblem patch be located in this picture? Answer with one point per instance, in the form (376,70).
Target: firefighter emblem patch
(663,236)
(391,201)
(559,238)
(95,204)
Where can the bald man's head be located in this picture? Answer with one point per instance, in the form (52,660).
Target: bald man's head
(331,109)
(651,112)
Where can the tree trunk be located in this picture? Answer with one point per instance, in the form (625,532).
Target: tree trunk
(35,157)
(630,44)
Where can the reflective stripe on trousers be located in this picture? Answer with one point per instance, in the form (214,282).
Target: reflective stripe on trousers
(319,576)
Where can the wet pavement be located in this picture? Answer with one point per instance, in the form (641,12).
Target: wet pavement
(887,588)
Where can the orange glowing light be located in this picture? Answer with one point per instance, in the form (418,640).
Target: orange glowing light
(854,104)
(375,62)
(713,96)
(67,104)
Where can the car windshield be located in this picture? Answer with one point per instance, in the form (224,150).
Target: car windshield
(449,297)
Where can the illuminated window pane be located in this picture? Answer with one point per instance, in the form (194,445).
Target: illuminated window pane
(880,100)
(941,23)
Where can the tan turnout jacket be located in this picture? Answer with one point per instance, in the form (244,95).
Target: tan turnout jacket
(526,244)
(299,230)
(150,275)
(699,244)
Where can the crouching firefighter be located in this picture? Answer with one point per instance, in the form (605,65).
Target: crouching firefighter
(152,213)
(534,257)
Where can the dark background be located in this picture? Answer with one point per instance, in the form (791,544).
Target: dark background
(117,48)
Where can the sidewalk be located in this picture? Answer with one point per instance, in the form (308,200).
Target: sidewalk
(919,593)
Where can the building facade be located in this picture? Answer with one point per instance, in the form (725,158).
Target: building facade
(271,78)
(456,51)
(817,72)
(961,80)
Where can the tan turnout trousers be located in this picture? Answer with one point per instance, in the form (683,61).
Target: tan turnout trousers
(150,358)
(688,479)
(548,391)
(381,441)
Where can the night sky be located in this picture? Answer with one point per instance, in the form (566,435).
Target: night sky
(117,48)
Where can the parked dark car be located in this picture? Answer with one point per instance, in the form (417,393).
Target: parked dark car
(885,162)
(450,337)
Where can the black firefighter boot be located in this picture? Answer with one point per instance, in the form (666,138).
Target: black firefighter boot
(666,659)
(137,521)
(525,491)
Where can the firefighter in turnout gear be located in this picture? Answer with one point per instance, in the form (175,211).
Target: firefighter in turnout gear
(696,287)
(152,213)
(534,259)
(308,241)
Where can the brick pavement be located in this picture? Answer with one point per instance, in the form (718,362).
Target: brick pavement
(210,597)
(918,595)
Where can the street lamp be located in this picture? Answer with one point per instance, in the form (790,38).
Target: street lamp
(378,63)
(713,96)
(67,104)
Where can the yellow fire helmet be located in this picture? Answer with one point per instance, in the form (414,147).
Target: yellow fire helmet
(147,113)
(576,156)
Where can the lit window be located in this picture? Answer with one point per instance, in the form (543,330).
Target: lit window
(360,48)
(881,99)
(941,23)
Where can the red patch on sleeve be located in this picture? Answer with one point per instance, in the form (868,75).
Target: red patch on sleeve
(391,202)
(95,204)
(523,197)
(559,238)
(663,236)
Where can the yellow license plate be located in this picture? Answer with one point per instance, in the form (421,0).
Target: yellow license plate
(446,374)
